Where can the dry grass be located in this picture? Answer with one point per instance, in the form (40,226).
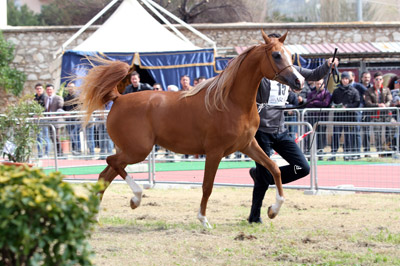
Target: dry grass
(356,229)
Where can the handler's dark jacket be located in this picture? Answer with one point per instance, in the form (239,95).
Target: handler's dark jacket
(142,87)
(271,118)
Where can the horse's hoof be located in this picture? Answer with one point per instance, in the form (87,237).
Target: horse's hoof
(207,225)
(271,213)
(134,203)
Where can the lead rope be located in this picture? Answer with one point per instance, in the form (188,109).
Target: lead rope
(335,75)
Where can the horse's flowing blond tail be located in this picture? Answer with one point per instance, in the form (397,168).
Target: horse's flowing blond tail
(99,85)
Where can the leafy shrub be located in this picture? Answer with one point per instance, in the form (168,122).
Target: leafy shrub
(11,79)
(19,127)
(43,220)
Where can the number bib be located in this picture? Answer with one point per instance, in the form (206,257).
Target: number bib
(278,94)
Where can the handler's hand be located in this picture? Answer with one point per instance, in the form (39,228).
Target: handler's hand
(330,62)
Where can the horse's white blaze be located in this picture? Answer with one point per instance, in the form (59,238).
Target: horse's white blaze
(136,189)
(298,75)
(203,220)
(278,203)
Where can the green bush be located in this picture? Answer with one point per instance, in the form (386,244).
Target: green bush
(43,220)
(11,79)
(19,127)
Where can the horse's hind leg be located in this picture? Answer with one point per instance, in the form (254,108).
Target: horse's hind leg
(118,162)
(212,162)
(107,175)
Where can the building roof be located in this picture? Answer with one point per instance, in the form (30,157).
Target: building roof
(359,50)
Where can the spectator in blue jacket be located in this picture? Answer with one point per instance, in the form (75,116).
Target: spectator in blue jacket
(357,136)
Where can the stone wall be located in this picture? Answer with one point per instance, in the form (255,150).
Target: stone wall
(36,47)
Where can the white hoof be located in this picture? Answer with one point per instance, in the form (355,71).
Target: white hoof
(203,220)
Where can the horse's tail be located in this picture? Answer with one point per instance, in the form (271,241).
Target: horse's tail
(100,85)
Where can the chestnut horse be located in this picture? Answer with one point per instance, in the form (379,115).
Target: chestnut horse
(216,118)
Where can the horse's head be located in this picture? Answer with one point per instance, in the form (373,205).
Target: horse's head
(280,60)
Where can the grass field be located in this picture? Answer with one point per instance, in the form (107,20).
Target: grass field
(352,229)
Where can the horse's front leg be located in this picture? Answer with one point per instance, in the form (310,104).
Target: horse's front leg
(212,162)
(254,151)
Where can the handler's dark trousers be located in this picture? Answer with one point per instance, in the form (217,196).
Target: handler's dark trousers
(286,147)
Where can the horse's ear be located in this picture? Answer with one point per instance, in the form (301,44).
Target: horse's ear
(283,37)
(265,37)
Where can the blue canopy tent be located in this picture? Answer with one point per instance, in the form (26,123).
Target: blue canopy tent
(165,68)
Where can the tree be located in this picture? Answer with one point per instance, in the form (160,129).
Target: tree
(21,16)
(74,12)
(205,11)
(11,79)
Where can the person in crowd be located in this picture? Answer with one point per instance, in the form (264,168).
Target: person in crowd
(106,144)
(344,96)
(136,85)
(357,136)
(394,86)
(72,128)
(185,83)
(319,97)
(43,136)
(157,87)
(201,79)
(272,135)
(302,95)
(54,103)
(185,86)
(366,116)
(195,82)
(172,88)
(379,96)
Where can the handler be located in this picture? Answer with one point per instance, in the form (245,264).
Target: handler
(273,135)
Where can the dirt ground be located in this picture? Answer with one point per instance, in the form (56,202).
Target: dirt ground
(351,229)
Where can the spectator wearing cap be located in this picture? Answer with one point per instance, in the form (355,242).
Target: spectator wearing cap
(344,96)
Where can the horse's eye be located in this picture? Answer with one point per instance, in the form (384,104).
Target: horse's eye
(276,55)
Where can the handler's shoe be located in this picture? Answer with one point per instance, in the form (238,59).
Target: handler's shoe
(257,220)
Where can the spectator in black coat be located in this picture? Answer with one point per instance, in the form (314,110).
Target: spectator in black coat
(344,96)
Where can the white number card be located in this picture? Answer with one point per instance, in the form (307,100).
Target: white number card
(278,94)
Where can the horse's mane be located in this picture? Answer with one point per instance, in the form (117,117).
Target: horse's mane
(218,88)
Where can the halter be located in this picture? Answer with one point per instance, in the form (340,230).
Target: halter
(277,72)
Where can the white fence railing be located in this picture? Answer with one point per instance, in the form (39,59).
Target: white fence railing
(357,148)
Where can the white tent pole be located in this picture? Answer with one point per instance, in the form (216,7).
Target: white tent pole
(87,25)
(198,33)
(3,14)
(166,21)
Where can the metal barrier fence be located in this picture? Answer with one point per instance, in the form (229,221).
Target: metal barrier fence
(357,148)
